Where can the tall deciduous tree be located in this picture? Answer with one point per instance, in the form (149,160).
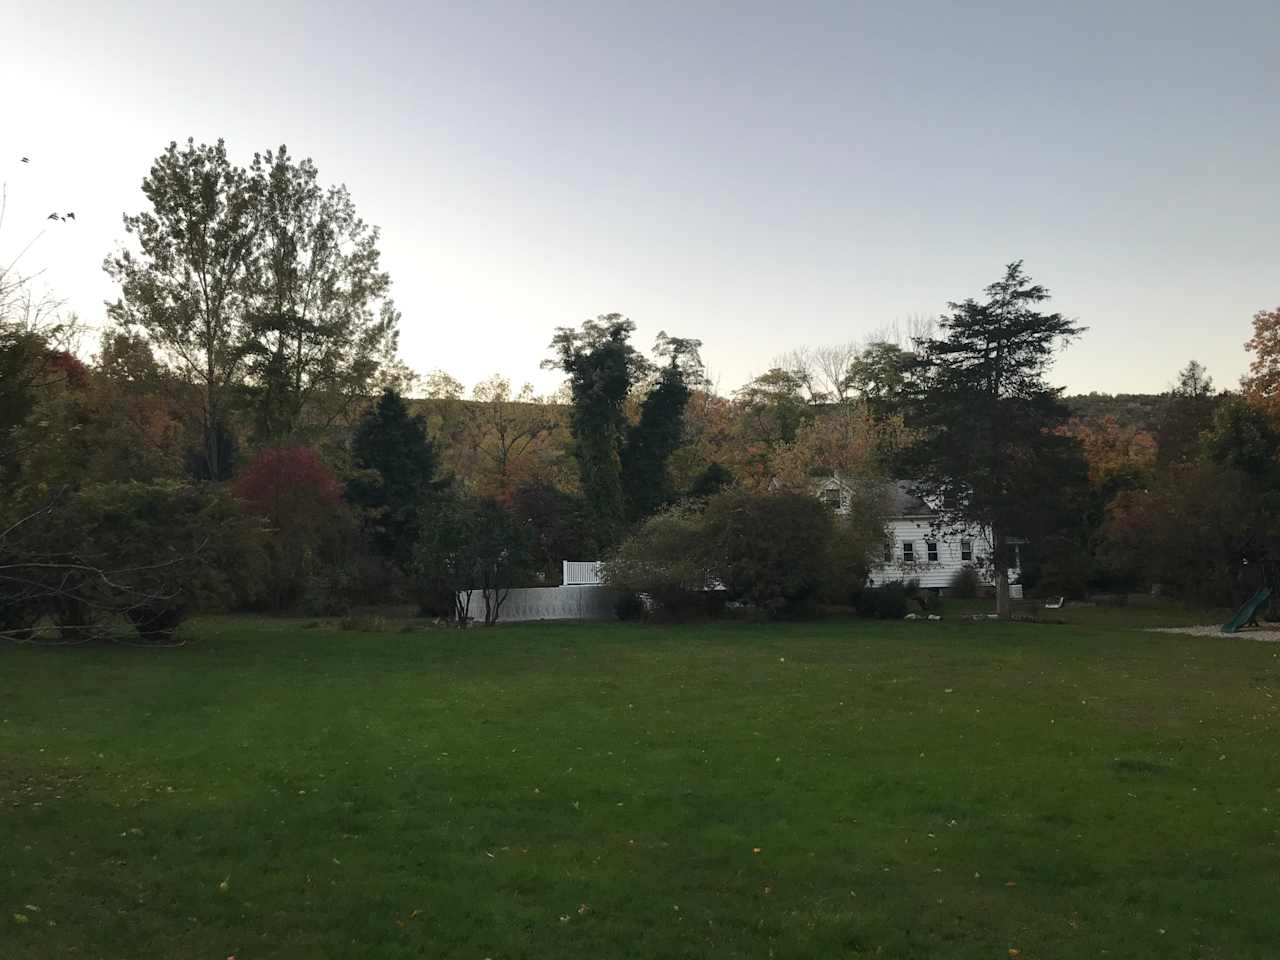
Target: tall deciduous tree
(255,277)
(190,288)
(1187,414)
(989,453)
(472,544)
(322,324)
(602,366)
(774,405)
(1262,383)
(503,431)
(881,376)
(560,525)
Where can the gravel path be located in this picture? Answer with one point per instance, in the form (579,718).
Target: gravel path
(1215,630)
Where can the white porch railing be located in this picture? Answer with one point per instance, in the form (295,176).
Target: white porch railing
(580,573)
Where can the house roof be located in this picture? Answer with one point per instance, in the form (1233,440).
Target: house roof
(901,501)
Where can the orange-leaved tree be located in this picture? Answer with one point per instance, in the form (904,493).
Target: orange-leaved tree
(1261,385)
(300,498)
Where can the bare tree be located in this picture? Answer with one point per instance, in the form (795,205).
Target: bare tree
(903,333)
(33,332)
(503,427)
(802,364)
(823,371)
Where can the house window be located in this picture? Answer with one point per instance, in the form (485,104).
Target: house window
(908,552)
(931,548)
(888,552)
(831,497)
(966,551)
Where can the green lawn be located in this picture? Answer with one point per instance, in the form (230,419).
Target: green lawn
(836,789)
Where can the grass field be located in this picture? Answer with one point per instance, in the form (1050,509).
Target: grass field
(834,789)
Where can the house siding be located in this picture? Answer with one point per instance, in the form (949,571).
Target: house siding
(917,530)
(934,575)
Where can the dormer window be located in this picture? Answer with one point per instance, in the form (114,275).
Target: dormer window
(831,497)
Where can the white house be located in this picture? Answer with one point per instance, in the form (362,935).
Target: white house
(913,548)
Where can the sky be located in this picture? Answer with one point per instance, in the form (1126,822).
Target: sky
(762,176)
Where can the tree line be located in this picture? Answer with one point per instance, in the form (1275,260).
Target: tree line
(247,438)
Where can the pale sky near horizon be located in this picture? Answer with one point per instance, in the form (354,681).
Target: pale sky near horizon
(762,176)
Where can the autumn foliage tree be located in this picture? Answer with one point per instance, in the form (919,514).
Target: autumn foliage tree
(300,499)
(1262,384)
(505,432)
(1117,455)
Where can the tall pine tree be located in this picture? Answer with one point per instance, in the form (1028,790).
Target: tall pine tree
(989,453)
(397,478)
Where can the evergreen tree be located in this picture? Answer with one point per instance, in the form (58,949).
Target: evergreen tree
(881,376)
(652,440)
(397,478)
(989,453)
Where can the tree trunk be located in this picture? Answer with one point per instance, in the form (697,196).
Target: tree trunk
(1000,558)
(461,604)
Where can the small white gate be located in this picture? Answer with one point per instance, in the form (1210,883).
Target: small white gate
(580,573)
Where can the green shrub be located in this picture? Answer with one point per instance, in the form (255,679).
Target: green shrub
(76,617)
(157,622)
(326,596)
(770,550)
(888,601)
(845,573)
(19,615)
(630,606)
(964,583)
(930,601)
(148,553)
(667,559)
